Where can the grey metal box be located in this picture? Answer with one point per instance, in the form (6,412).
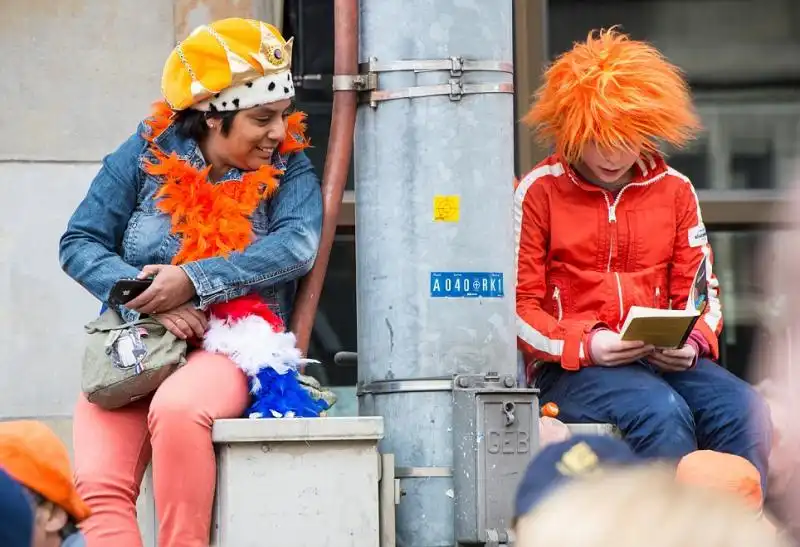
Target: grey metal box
(496,433)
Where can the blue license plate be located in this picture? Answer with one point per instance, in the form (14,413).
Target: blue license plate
(466,285)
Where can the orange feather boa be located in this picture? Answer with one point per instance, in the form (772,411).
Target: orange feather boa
(212,219)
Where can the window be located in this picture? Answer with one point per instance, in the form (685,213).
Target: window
(693,161)
(745,145)
(335,324)
(739,266)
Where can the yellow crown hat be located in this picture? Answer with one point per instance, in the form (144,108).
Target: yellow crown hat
(230,64)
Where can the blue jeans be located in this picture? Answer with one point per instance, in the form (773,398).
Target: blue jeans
(666,415)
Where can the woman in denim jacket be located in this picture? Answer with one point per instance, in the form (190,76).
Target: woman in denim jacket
(214,198)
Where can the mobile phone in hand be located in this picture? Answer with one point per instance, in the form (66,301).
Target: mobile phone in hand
(126,290)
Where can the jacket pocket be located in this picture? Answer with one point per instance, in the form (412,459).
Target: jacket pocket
(559,309)
(556,298)
(660,288)
(260,219)
(646,288)
(148,240)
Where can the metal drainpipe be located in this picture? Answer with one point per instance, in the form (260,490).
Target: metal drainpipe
(337,164)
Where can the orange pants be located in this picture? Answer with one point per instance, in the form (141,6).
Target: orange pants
(113,447)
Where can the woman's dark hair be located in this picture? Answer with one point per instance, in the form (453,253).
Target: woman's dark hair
(193,123)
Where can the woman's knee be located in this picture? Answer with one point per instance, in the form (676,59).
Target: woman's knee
(208,387)
(102,488)
(176,409)
(111,451)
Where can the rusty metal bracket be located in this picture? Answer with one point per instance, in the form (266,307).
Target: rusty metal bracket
(455,65)
(366,83)
(357,82)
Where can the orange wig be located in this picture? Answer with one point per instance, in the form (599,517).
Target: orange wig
(614,92)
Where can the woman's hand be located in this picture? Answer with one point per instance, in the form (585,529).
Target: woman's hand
(185,322)
(608,350)
(171,288)
(674,360)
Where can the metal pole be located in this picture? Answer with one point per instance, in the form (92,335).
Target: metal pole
(434,234)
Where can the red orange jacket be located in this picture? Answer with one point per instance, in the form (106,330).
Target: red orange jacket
(585,255)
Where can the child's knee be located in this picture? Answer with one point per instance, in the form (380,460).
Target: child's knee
(667,409)
(744,407)
(664,424)
(756,415)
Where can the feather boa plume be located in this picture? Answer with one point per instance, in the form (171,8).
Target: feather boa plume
(214,220)
(253,337)
(284,396)
(251,343)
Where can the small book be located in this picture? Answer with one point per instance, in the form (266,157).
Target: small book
(667,328)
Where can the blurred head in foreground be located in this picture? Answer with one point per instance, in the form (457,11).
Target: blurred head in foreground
(640,506)
(561,462)
(16,513)
(725,473)
(722,472)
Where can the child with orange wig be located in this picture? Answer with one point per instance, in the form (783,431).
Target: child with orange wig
(604,224)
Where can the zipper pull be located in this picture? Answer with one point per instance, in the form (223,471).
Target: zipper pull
(557,298)
(612,214)
(655,298)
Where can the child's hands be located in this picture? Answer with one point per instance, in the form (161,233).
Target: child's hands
(674,360)
(609,351)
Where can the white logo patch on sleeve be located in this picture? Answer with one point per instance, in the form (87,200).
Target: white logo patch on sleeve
(698,236)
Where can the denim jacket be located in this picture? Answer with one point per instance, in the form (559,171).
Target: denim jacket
(117,229)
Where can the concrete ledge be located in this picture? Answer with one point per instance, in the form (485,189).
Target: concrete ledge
(594,429)
(298,429)
(283,481)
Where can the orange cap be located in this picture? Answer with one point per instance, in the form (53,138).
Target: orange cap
(724,472)
(32,454)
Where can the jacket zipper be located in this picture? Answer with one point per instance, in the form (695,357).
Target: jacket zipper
(656,297)
(557,298)
(619,293)
(612,219)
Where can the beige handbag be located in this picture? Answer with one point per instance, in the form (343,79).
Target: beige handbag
(124,362)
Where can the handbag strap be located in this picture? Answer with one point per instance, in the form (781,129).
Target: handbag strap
(129,324)
(121,326)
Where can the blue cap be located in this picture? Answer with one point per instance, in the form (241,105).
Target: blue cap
(558,463)
(16,514)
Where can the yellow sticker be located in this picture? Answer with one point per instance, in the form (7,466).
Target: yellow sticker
(446,208)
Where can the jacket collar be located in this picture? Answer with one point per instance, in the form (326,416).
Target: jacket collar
(648,168)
